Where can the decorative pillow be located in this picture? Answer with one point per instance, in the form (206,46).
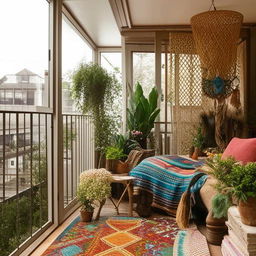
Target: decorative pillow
(243,150)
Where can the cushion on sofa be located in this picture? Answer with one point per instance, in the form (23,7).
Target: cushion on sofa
(243,150)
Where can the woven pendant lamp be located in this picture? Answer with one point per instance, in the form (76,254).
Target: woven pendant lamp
(216,34)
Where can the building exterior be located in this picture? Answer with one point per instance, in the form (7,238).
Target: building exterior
(23,88)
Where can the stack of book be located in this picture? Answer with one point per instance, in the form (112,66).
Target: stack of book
(241,239)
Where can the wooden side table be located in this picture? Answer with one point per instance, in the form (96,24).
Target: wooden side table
(128,183)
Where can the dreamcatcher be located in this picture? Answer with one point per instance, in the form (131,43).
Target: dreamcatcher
(216,34)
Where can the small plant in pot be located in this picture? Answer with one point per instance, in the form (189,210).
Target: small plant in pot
(114,155)
(141,114)
(94,186)
(198,143)
(236,183)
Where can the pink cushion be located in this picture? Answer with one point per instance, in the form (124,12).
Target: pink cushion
(243,150)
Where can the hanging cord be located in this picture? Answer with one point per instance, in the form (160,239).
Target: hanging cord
(212,5)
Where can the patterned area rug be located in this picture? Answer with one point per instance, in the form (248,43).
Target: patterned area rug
(117,236)
(190,243)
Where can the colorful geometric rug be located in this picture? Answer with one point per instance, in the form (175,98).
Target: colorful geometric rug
(190,243)
(116,236)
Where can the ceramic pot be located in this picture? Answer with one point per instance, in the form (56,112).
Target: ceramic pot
(86,216)
(247,210)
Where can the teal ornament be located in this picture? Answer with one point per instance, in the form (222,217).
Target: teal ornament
(218,85)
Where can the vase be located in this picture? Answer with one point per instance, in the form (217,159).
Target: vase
(195,154)
(247,210)
(215,229)
(86,216)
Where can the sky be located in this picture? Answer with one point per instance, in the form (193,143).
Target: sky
(24,27)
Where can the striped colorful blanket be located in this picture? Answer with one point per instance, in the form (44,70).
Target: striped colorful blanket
(166,177)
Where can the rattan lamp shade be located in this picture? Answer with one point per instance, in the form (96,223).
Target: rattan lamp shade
(216,35)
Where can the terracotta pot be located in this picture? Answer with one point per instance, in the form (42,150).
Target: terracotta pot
(195,154)
(86,216)
(247,211)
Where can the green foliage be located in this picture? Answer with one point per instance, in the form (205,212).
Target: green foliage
(243,181)
(39,163)
(233,180)
(94,91)
(15,216)
(123,142)
(220,205)
(114,153)
(199,139)
(142,112)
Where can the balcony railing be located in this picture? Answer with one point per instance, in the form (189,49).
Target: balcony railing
(25,165)
(164,138)
(78,154)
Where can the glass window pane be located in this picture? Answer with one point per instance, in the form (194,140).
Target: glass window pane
(112,62)
(24,49)
(144,70)
(74,51)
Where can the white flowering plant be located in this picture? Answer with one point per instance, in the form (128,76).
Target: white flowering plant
(94,186)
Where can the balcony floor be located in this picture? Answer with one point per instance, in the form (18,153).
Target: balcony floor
(108,210)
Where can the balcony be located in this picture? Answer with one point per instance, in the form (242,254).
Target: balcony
(46,141)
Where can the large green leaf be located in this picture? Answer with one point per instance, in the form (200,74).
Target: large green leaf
(146,106)
(153,116)
(139,114)
(130,120)
(153,96)
(138,92)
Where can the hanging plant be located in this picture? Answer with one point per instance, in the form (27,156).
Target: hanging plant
(95,91)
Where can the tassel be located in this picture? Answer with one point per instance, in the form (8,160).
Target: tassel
(183,211)
(235,99)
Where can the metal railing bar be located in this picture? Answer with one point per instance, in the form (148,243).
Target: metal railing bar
(39,165)
(17,175)
(71,155)
(66,145)
(31,174)
(4,156)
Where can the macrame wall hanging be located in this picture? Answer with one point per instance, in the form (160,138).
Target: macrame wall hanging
(216,34)
(187,100)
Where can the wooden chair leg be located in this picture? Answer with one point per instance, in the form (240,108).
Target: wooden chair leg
(99,210)
(130,194)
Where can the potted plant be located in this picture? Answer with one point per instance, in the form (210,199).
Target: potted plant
(141,114)
(113,156)
(95,92)
(94,187)
(234,182)
(198,143)
(127,144)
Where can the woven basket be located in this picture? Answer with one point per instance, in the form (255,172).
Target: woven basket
(216,35)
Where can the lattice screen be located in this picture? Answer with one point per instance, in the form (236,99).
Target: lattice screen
(186,93)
